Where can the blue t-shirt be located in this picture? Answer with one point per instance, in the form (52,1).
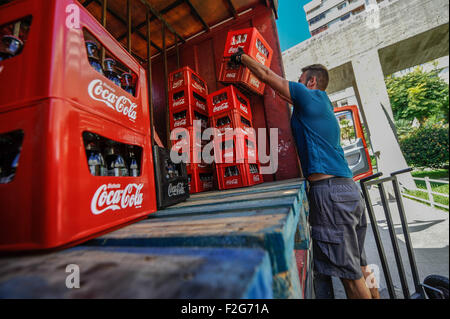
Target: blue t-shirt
(317,133)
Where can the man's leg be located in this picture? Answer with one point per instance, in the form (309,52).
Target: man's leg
(356,289)
(373,282)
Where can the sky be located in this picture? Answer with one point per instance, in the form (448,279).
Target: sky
(292,25)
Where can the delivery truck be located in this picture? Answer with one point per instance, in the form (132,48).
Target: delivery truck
(84,101)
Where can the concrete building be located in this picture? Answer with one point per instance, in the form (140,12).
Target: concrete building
(394,36)
(442,64)
(328,14)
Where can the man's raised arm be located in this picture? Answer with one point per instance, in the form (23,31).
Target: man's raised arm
(266,75)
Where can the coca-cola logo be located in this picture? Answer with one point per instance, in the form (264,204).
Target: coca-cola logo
(179,102)
(179,144)
(207,185)
(177,84)
(244,108)
(231,75)
(179,123)
(231,182)
(261,58)
(198,87)
(113,197)
(100,91)
(176,190)
(201,106)
(233,50)
(221,107)
(256,178)
(223,129)
(254,82)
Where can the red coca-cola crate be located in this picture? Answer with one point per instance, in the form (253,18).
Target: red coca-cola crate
(236,175)
(187,78)
(228,99)
(32,74)
(201,179)
(54,98)
(185,117)
(230,176)
(230,120)
(237,149)
(187,98)
(253,44)
(253,172)
(240,76)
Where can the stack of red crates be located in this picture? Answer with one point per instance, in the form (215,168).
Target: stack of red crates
(253,44)
(188,93)
(58,109)
(235,150)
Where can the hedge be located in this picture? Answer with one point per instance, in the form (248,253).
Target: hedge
(427,146)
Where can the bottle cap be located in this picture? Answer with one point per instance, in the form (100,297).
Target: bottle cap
(92,49)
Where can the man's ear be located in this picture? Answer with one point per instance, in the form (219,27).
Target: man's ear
(312,83)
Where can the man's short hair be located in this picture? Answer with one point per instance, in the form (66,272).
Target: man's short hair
(321,74)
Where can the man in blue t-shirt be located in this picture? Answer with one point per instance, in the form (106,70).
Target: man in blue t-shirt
(337,217)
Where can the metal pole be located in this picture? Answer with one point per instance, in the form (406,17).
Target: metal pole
(129,25)
(429,191)
(380,248)
(166,85)
(104,13)
(149,82)
(412,259)
(178,52)
(16,31)
(398,257)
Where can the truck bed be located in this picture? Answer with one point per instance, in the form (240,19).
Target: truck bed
(240,243)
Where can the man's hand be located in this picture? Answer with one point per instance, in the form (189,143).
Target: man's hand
(266,75)
(236,58)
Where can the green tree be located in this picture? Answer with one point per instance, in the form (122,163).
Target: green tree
(418,94)
(347,130)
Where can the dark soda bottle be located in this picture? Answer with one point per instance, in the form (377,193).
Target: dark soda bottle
(127,83)
(111,72)
(92,52)
(11,46)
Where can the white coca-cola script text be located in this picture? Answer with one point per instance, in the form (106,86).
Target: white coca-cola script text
(113,197)
(99,91)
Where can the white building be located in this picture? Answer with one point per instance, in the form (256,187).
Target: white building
(327,14)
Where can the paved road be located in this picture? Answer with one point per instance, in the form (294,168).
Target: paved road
(429,232)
